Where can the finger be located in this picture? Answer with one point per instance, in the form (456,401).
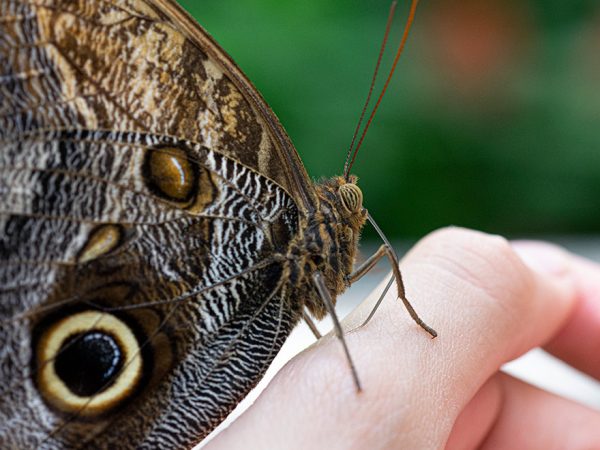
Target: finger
(579,339)
(508,414)
(487,306)
(477,418)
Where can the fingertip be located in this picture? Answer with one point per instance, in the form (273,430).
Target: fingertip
(543,257)
(555,269)
(579,336)
(535,419)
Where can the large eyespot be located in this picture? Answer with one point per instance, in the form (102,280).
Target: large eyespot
(88,363)
(351,197)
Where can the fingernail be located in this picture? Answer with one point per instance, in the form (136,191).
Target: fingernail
(542,257)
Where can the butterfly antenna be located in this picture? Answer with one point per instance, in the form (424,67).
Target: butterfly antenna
(411,17)
(388,27)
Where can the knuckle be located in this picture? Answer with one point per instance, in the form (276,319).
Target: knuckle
(512,279)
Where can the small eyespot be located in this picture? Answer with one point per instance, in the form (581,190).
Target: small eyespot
(351,197)
(88,363)
(176,175)
(102,240)
(170,174)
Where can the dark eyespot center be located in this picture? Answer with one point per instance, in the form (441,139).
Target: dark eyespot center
(88,362)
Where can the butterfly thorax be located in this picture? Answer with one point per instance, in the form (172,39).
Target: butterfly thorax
(328,242)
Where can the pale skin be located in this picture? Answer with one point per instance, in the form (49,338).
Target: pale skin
(490,301)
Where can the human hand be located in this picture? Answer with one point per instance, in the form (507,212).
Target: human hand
(489,304)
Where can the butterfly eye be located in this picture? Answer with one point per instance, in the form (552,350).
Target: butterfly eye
(351,197)
(88,363)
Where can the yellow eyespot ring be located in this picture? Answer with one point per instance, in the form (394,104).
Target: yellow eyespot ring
(56,338)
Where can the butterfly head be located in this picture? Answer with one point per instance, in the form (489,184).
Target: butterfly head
(331,237)
(342,204)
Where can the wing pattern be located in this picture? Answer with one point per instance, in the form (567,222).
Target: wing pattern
(137,181)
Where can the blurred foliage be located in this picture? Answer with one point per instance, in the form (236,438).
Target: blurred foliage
(492,120)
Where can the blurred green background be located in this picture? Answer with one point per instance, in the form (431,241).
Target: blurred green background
(492,120)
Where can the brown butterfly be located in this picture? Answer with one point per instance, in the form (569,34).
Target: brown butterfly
(159,235)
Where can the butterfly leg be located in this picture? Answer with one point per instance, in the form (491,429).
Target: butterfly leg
(386,250)
(311,325)
(326,297)
(379,300)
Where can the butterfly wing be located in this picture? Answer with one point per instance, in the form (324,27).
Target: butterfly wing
(145,193)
